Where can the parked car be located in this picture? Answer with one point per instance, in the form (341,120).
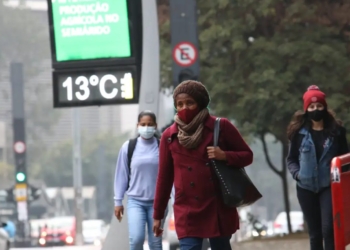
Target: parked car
(258,229)
(58,231)
(35,227)
(297,223)
(104,233)
(93,231)
(4,237)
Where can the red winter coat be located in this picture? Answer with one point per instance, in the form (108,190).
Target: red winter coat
(199,210)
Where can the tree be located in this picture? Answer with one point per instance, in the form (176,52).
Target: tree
(258,57)
(99,155)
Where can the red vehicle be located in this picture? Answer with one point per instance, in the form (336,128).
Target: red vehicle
(58,231)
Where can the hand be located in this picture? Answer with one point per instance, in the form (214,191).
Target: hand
(156,228)
(119,211)
(216,153)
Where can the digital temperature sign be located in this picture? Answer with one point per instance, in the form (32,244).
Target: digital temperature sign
(99,86)
(96,51)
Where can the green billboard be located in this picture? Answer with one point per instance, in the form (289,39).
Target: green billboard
(89,29)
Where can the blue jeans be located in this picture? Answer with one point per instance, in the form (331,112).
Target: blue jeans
(219,243)
(140,213)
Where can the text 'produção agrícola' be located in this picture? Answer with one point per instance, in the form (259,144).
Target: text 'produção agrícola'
(86,19)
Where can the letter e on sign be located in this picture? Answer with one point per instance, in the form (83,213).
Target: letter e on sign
(185,54)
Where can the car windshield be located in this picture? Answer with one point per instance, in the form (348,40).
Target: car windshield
(92,225)
(61,223)
(294,216)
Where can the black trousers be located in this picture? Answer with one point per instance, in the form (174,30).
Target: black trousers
(317,209)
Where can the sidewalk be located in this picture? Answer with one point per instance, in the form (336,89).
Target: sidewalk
(165,245)
(281,244)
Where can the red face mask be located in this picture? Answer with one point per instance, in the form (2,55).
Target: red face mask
(187,115)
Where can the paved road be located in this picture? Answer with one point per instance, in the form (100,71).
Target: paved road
(165,247)
(258,245)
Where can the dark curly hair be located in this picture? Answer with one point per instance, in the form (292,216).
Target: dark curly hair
(300,119)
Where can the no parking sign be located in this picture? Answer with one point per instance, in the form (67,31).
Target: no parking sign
(19,147)
(185,54)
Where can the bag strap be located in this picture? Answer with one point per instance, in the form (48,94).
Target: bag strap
(216,131)
(131,149)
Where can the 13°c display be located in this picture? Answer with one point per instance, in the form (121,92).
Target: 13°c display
(94,87)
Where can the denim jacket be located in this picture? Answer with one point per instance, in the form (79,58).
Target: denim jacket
(312,175)
(302,161)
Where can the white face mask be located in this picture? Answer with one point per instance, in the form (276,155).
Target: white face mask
(146,132)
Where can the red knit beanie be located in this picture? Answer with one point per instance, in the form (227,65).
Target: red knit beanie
(314,94)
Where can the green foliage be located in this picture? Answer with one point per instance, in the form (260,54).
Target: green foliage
(99,156)
(56,166)
(258,58)
(165,55)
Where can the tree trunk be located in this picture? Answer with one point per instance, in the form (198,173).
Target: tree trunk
(285,184)
(281,173)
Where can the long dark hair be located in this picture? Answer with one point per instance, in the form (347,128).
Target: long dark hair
(147,113)
(300,120)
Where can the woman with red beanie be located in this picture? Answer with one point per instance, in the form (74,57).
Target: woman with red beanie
(184,160)
(315,138)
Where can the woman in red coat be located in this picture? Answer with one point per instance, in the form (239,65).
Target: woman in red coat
(184,156)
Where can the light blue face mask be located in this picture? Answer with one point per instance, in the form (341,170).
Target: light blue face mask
(146,132)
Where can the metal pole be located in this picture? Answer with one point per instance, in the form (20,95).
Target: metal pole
(150,74)
(77,177)
(118,236)
(184,41)
(19,138)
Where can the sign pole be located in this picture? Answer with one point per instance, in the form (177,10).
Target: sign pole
(150,74)
(184,42)
(185,45)
(19,147)
(77,177)
(149,95)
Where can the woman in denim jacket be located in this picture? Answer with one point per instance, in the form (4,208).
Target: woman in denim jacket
(316,137)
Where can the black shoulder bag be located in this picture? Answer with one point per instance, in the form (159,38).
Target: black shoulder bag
(236,187)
